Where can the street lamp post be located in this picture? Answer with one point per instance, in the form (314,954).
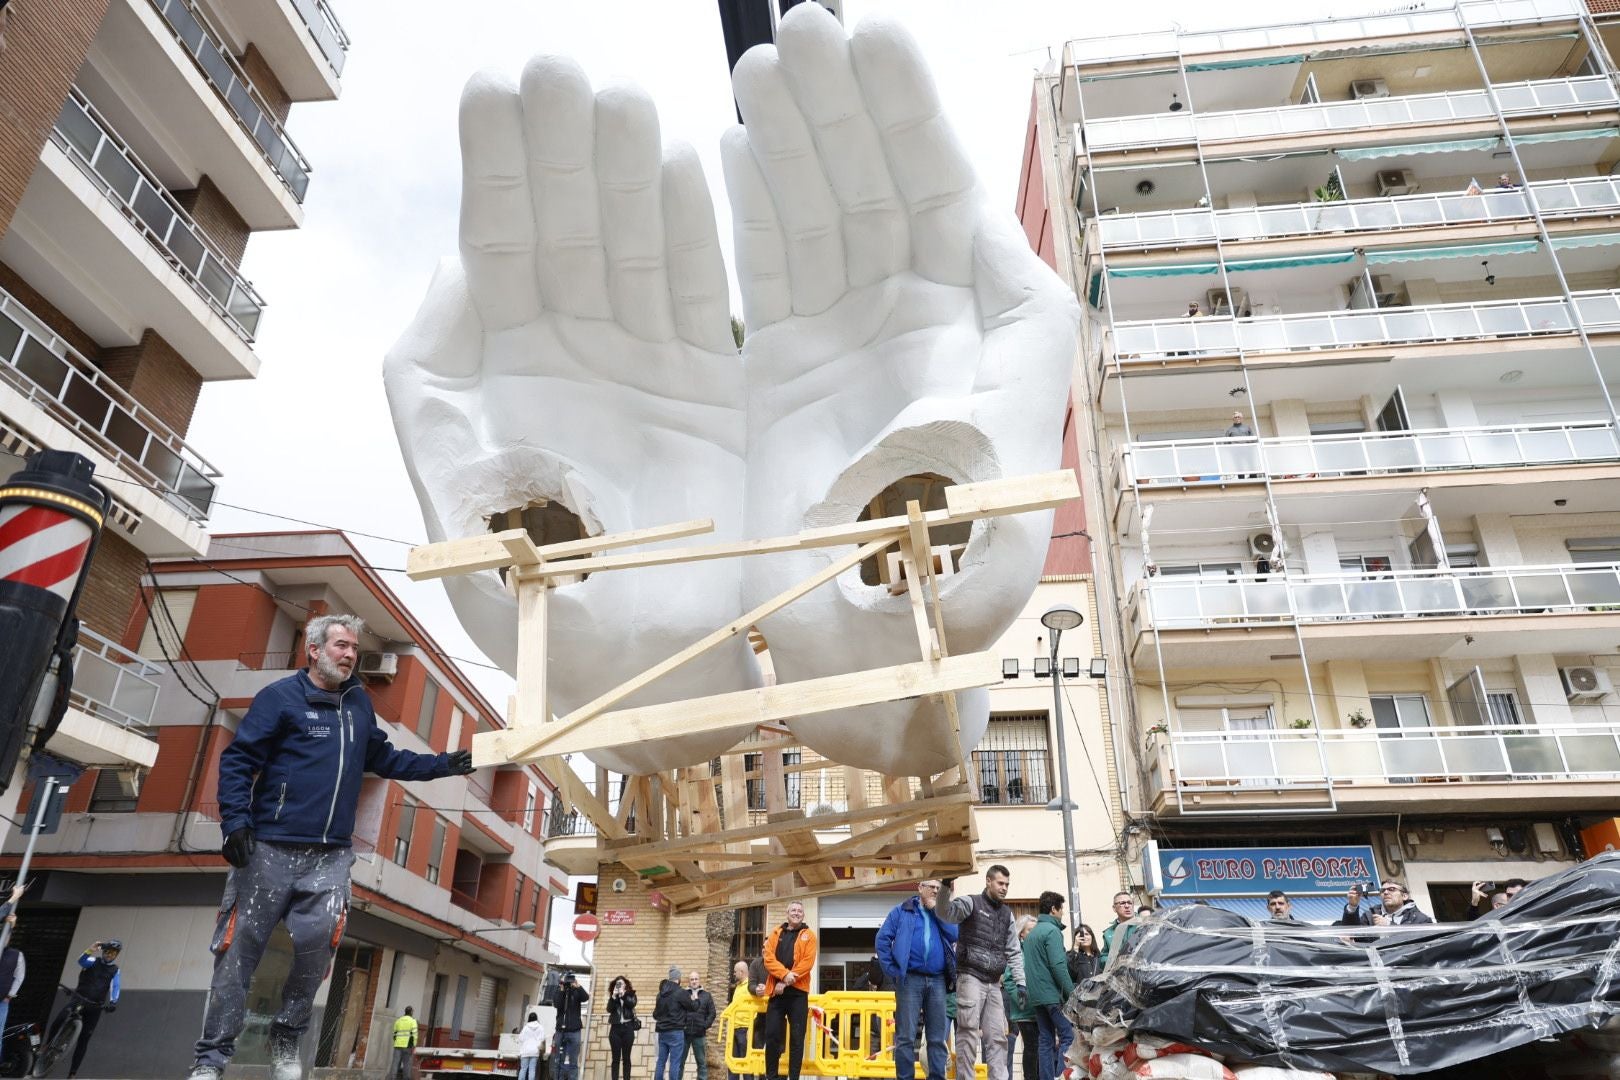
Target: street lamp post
(1058,619)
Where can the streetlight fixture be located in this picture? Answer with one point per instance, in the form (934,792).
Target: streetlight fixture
(1058,618)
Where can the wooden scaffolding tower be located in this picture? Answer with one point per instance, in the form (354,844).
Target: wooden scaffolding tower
(686,830)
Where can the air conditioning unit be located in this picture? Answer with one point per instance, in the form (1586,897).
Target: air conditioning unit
(1396,182)
(1263,544)
(1585,683)
(379,665)
(1369,88)
(1226,302)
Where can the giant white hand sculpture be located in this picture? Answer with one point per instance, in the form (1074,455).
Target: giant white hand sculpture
(899,326)
(581,352)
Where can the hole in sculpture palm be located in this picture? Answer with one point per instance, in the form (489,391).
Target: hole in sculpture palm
(581,353)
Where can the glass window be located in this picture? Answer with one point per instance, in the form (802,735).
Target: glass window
(460,1006)
(1014,762)
(430,703)
(402,835)
(1395,711)
(1596,549)
(117,791)
(517,898)
(436,851)
(748,942)
(754,768)
(1503,706)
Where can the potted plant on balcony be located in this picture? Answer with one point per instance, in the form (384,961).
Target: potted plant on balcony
(1358,719)
(1300,723)
(1156,735)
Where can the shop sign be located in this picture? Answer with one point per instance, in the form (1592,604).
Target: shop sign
(618,917)
(1298,871)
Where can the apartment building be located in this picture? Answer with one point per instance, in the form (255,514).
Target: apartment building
(141,143)
(1348,392)
(452,896)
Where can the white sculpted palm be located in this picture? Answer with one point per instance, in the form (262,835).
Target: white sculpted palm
(580,351)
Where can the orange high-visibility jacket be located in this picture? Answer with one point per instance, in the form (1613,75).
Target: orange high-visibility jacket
(804,960)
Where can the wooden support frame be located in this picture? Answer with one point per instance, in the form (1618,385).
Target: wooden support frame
(701,843)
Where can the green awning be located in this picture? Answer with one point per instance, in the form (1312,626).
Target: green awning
(1231,65)
(1454,251)
(1368,153)
(1563,243)
(1233,266)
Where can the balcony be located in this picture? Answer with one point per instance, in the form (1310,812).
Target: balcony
(1163,341)
(56,379)
(89,141)
(1528,98)
(1477,13)
(301,40)
(110,707)
(1220,462)
(569,837)
(1487,766)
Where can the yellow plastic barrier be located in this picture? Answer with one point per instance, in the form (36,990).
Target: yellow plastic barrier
(851,1035)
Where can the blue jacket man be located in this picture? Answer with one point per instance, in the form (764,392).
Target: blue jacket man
(917,951)
(288,787)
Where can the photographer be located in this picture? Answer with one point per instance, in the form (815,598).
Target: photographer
(570,1026)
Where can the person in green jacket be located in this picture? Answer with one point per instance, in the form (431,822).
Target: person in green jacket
(1046,973)
(1021,1018)
(1124,911)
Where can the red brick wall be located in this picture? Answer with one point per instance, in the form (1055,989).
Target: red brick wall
(508,795)
(1070,554)
(46,44)
(165,786)
(209,208)
(265,81)
(158,377)
(1032,209)
(228,621)
(110,593)
(24,292)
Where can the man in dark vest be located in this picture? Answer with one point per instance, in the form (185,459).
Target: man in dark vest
(986,946)
(98,991)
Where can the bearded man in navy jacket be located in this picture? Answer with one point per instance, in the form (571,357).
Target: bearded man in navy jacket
(288,788)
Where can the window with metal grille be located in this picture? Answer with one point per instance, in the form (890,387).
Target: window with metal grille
(117,791)
(748,942)
(754,764)
(1013,761)
(402,835)
(436,852)
(1504,707)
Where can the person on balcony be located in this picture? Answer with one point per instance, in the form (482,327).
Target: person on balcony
(1354,914)
(1399,908)
(289,785)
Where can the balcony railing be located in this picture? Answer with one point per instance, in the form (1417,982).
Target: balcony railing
(1488,752)
(326,30)
(199,38)
(1183,603)
(112,683)
(1160,339)
(1518,99)
(1222,461)
(48,371)
(86,137)
(1169,42)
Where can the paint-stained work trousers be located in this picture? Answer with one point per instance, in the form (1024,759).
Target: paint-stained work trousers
(307,887)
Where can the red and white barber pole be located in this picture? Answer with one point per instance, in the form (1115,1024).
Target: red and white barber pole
(50,516)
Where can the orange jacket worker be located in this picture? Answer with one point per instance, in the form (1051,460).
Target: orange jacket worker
(790,956)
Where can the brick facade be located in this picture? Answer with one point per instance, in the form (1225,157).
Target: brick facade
(209,208)
(46,44)
(46,312)
(158,377)
(266,83)
(110,592)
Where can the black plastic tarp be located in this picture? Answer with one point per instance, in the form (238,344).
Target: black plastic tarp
(1400,1000)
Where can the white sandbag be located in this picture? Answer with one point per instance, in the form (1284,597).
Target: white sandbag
(1182,1067)
(1273,1072)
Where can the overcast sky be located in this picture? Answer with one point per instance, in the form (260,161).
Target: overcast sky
(311,438)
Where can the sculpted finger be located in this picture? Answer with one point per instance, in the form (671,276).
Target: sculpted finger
(559,120)
(699,295)
(497,219)
(762,265)
(629,175)
(812,222)
(443,340)
(815,56)
(928,165)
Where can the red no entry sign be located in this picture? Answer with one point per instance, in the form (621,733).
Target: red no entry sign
(586,927)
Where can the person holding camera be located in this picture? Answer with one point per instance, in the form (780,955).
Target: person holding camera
(570,1026)
(98,993)
(622,1026)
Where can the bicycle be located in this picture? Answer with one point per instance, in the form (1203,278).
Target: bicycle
(17,1047)
(56,1048)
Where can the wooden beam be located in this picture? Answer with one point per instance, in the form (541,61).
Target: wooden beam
(532,709)
(474,553)
(743,708)
(1011,495)
(577,794)
(736,626)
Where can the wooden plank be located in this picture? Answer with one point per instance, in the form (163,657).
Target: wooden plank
(767,829)
(495,550)
(533,710)
(914,581)
(580,796)
(990,498)
(767,704)
(725,633)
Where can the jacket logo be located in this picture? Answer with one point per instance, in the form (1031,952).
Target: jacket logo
(309,716)
(318,731)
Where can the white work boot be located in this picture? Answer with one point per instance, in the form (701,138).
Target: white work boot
(285,1063)
(205,1072)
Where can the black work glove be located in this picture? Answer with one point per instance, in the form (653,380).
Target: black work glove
(460,762)
(112,1006)
(238,849)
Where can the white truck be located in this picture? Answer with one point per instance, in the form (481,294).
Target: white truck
(450,1061)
